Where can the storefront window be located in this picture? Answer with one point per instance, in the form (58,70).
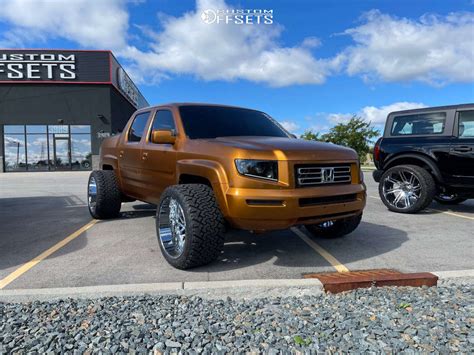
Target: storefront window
(81,156)
(42,147)
(81,129)
(15,153)
(37,151)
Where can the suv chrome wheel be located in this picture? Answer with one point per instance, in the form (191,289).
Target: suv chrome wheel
(92,195)
(172,227)
(401,189)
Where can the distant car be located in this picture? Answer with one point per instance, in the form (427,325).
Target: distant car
(426,154)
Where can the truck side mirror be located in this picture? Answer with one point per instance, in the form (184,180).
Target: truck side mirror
(163,136)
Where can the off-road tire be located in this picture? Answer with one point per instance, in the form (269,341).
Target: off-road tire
(339,227)
(205,228)
(428,188)
(109,197)
(454,201)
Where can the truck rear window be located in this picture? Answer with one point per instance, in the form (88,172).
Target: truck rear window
(420,124)
(217,121)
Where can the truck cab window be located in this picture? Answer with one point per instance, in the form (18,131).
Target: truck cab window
(137,129)
(466,124)
(163,120)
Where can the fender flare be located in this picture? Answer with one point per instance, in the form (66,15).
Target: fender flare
(213,171)
(421,157)
(109,159)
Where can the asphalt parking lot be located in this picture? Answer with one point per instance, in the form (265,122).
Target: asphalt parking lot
(40,210)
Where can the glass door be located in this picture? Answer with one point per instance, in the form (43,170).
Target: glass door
(62,153)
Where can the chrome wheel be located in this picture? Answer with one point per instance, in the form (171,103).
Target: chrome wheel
(92,194)
(447,197)
(401,189)
(327,224)
(172,227)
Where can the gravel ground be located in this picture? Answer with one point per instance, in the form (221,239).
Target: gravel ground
(372,320)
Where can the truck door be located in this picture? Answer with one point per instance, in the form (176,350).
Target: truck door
(159,160)
(130,156)
(462,149)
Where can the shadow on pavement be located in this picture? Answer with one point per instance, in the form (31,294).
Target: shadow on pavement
(243,249)
(31,225)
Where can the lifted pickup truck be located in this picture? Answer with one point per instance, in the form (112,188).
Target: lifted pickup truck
(209,167)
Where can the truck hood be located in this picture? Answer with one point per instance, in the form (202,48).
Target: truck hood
(286,148)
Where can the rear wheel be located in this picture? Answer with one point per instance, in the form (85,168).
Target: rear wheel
(447,198)
(189,225)
(336,228)
(103,194)
(407,188)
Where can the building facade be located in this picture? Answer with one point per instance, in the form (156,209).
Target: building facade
(56,107)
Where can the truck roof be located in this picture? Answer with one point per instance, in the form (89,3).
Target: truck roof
(435,108)
(178,104)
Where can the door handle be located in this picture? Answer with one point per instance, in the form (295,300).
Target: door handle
(121,154)
(144,155)
(463,149)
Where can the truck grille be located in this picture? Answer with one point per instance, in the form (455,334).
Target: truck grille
(312,175)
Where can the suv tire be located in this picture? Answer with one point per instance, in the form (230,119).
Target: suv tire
(189,226)
(449,199)
(407,188)
(103,194)
(335,229)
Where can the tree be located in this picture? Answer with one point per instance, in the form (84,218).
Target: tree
(309,135)
(356,134)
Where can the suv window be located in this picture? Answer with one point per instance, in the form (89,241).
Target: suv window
(138,127)
(466,124)
(163,120)
(421,124)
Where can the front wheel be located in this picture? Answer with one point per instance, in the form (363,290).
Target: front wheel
(449,198)
(406,188)
(336,228)
(103,194)
(189,225)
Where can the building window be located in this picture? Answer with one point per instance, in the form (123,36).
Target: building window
(42,147)
(15,148)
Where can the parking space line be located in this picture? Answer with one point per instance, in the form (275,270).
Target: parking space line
(321,251)
(450,213)
(30,264)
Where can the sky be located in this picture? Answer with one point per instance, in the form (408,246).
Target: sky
(316,64)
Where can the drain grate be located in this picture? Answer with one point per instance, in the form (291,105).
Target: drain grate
(335,282)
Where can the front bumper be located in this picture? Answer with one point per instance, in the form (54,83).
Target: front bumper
(270,209)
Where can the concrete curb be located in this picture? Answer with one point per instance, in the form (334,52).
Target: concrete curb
(446,275)
(239,289)
(246,289)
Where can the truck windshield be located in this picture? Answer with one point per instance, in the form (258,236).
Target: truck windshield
(217,121)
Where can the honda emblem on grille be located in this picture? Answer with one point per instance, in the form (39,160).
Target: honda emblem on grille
(327,174)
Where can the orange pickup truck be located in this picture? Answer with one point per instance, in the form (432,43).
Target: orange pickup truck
(212,167)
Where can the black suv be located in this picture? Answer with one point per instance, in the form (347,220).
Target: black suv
(424,154)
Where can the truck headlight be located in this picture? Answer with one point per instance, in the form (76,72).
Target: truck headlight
(261,169)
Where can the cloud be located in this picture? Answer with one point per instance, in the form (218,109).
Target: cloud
(373,114)
(290,126)
(95,24)
(433,49)
(188,45)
